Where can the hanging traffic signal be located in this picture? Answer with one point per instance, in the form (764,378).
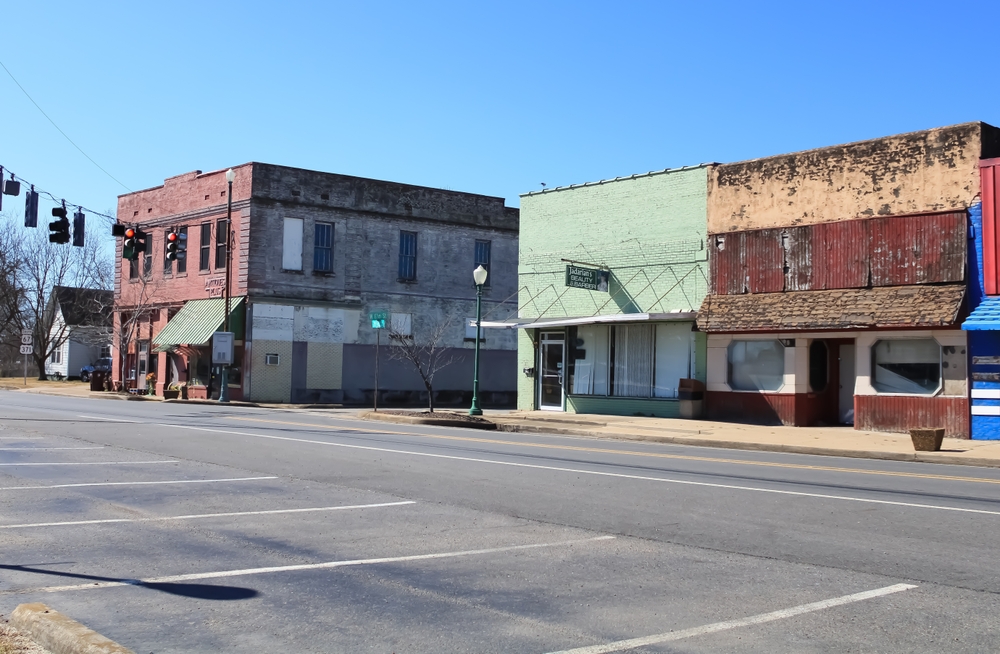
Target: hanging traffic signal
(59,229)
(135,242)
(79,223)
(173,244)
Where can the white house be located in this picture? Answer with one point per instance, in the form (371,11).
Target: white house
(82,327)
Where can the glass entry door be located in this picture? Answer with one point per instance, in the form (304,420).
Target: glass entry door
(550,381)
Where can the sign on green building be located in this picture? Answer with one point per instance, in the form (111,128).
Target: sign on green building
(591,279)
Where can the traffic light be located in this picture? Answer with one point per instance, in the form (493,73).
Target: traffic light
(173,244)
(59,229)
(31,208)
(135,242)
(78,228)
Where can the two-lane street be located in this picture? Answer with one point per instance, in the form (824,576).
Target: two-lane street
(178,527)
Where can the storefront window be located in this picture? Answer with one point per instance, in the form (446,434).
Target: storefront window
(633,360)
(590,370)
(906,366)
(756,365)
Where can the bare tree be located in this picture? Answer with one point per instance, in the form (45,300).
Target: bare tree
(428,354)
(135,303)
(42,266)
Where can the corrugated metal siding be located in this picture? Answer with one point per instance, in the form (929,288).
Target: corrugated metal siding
(889,251)
(918,249)
(765,261)
(902,413)
(989,171)
(841,254)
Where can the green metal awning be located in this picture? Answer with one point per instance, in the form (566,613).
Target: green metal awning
(197,320)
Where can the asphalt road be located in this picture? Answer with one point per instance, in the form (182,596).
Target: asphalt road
(179,528)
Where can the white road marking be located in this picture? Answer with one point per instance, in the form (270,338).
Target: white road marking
(20,438)
(88,463)
(716,627)
(305,566)
(47,449)
(204,515)
(133,483)
(113,419)
(579,471)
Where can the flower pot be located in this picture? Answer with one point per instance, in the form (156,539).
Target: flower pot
(171,395)
(927,440)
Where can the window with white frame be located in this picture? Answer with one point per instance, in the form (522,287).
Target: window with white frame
(756,365)
(56,355)
(911,366)
(641,360)
(105,352)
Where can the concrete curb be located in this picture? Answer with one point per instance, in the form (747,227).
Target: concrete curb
(415,420)
(921,457)
(61,634)
(210,402)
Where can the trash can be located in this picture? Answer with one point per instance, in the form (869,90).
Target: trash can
(691,394)
(97,380)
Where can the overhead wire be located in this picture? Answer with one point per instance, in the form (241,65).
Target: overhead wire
(57,200)
(66,136)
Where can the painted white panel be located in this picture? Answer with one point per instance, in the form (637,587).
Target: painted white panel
(291,245)
(986,393)
(401,323)
(986,410)
(272,322)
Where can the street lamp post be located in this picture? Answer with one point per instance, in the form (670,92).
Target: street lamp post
(479,275)
(230,176)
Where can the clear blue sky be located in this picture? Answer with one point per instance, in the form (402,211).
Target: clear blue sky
(485,97)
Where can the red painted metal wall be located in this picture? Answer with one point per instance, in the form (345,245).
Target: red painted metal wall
(989,170)
(886,251)
(902,413)
(760,408)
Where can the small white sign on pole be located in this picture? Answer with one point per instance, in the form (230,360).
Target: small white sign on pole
(26,331)
(27,349)
(25,339)
(222,349)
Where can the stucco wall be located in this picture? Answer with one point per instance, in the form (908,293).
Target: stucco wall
(933,170)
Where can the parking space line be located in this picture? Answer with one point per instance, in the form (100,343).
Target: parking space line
(304,566)
(20,438)
(753,620)
(135,483)
(47,449)
(205,515)
(86,463)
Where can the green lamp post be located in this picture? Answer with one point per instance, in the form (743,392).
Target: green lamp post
(479,275)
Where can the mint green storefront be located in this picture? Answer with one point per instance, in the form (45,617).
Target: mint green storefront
(611,275)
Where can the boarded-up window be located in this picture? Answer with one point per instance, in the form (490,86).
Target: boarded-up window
(291,245)
(401,324)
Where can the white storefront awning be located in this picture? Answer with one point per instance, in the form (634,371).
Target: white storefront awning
(674,316)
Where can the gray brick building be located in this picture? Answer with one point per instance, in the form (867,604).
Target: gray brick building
(313,255)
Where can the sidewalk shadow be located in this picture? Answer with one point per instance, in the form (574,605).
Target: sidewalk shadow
(196,591)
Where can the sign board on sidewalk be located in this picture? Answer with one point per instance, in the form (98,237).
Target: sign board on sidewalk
(222,349)
(25,339)
(591,279)
(378,319)
(27,349)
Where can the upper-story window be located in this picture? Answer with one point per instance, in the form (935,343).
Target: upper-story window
(133,269)
(407,256)
(182,251)
(323,248)
(206,246)
(221,237)
(482,258)
(147,257)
